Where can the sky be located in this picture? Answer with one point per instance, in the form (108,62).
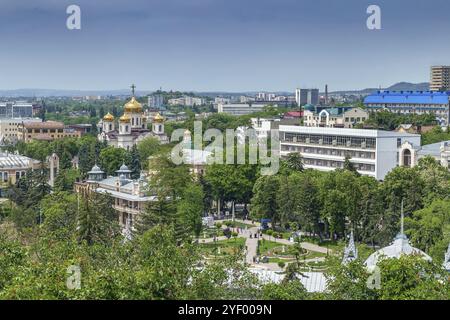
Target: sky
(220,45)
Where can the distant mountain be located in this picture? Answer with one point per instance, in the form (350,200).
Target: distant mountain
(66,93)
(401,86)
(38,93)
(406,86)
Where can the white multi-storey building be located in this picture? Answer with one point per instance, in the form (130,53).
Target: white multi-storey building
(156,101)
(372,152)
(187,101)
(239,109)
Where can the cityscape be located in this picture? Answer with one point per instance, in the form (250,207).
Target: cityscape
(133,190)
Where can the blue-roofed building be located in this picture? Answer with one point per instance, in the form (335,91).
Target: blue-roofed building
(415,102)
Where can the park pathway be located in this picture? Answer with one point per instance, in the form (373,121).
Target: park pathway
(252,245)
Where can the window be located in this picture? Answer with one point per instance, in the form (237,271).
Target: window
(407,158)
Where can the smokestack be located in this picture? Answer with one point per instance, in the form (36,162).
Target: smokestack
(326,94)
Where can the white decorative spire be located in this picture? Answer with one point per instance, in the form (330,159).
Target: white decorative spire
(447,259)
(350,252)
(402,234)
(402,217)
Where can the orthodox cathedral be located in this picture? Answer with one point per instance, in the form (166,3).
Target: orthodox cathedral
(131,127)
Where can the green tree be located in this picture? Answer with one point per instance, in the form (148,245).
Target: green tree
(135,165)
(147,147)
(112,158)
(264,202)
(97,220)
(190,209)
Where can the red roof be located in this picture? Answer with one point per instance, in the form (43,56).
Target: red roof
(293,114)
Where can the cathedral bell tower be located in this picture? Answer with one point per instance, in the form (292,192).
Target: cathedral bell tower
(158,124)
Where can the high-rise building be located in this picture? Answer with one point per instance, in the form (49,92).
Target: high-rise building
(440,78)
(156,101)
(307,96)
(18,109)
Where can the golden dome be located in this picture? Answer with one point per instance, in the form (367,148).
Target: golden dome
(158,118)
(133,106)
(125,118)
(108,117)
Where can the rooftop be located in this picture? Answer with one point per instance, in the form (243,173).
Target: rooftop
(433,149)
(8,160)
(346,132)
(412,97)
(44,125)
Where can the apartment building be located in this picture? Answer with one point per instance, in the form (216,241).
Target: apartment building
(10,128)
(372,152)
(187,101)
(335,117)
(17,109)
(156,101)
(239,109)
(440,78)
(306,96)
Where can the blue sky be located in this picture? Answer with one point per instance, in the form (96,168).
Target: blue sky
(220,45)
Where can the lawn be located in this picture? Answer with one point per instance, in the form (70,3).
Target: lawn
(266,247)
(229,246)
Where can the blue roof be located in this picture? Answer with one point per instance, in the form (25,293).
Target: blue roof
(408,97)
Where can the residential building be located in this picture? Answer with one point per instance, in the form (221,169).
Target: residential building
(264,96)
(10,128)
(246,99)
(372,152)
(156,101)
(82,128)
(306,96)
(440,78)
(409,128)
(343,117)
(221,100)
(240,109)
(17,109)
(187,101)
(46,131)
(412,102)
